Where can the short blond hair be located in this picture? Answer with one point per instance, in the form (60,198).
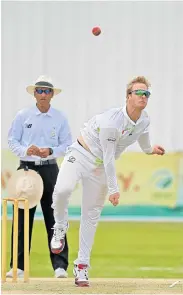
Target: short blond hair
(139,79)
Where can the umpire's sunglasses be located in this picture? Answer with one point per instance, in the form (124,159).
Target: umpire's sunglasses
(46,91)
(141,92)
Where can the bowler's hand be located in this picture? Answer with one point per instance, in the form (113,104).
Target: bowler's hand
(33,150)
(114,199)
(44,153)
(158,150)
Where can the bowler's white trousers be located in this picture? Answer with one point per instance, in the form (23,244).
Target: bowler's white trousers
(77,165)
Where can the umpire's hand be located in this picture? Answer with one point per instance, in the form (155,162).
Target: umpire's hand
(44,152)
(33,150)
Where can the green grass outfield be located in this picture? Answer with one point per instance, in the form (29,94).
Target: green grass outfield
(121,250)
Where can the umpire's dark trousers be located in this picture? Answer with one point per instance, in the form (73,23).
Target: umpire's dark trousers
(49,174)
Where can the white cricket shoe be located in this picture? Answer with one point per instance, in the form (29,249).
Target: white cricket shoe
(58,239)
(20,273)
(61,273)
(80,272)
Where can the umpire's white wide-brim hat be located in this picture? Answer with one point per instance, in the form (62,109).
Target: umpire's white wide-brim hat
(43,81)
(26,184)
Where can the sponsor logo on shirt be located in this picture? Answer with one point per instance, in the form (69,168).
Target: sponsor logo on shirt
(111,139)
(130,129)
(53,133)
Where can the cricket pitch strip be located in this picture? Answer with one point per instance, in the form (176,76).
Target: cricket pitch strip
(97,286)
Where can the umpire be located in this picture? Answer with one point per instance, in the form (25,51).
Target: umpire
(38,136)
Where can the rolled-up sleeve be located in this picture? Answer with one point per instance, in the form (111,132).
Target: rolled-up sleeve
(64,139)
(108,139)
(144,142)
(14,137)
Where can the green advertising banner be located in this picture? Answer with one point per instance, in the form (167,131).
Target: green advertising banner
(150,187)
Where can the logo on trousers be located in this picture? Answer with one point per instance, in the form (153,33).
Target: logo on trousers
(28,125)
(71,159)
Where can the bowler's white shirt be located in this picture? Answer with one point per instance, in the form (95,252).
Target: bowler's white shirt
(44,130)
(110,133)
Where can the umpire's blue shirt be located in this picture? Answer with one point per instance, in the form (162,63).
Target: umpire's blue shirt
(44,130)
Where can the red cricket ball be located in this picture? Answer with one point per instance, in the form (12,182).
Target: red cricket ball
(96,31)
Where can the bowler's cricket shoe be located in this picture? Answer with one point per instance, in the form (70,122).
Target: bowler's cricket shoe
(58,240)
(80,272)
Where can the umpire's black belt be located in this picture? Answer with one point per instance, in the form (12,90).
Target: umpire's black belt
(39,163)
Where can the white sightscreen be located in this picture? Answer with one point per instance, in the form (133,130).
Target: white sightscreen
(54,38)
